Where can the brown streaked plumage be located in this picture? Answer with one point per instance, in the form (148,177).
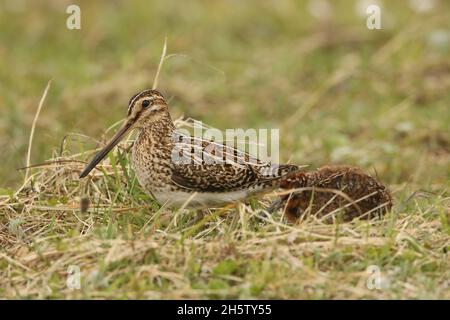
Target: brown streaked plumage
(365,197)
(199,182)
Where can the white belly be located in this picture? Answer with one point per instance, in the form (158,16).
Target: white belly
(196,200)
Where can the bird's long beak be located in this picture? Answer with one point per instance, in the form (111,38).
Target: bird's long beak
(111,144)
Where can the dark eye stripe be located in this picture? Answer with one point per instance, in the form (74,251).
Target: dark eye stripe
(152,95)
(138,114)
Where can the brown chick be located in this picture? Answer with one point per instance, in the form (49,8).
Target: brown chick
(333,191)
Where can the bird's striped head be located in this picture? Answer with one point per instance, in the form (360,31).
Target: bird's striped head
(144,109)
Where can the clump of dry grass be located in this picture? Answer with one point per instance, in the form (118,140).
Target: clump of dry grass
(127,246)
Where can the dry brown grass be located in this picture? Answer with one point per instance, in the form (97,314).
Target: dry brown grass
(126,247)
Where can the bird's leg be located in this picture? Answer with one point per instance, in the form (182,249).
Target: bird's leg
(200,214)
(275,206)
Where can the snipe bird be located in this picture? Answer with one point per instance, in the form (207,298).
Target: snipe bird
(332,191)
(197,183)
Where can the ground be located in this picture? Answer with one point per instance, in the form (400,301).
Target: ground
(338,92)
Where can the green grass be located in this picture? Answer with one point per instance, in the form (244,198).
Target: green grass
(338,92)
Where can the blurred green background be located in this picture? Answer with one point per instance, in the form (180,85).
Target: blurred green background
(339,92)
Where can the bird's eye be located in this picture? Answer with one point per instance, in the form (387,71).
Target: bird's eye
(145,103)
